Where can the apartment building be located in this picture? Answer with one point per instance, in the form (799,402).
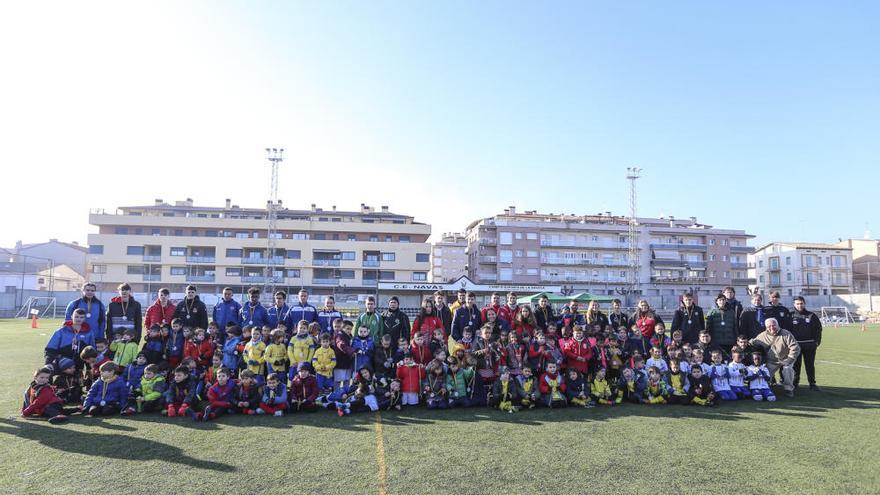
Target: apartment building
(327,251)
(865,264)
(591,253)
(806,269)
(448,258)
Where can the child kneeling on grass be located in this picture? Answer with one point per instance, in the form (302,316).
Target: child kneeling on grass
(180,393)
(220,398)
(246,398)
(303,390)
(108,395)
(701,391)
(41,401)
(506,393)
(152,385)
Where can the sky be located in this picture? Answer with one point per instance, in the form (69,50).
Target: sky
(759,116)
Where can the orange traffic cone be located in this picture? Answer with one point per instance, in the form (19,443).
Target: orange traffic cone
(33,321)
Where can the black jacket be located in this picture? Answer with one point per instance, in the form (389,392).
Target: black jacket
(396,324)
(749,324)
(445,315)
(781,313)
(689,322)
(618,320)
(193,314)
(807,329)
(544,316)
(116,325)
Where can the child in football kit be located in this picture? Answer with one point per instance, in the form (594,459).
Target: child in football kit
(253,355)
(276,354)
(40,399)
(758,377)
(108,395)
(719,373)
(600,391)
(506,394)
(220,398)
(737,374)
(247,394)
(303,390)
(68,383)
(274,397)
(324,361)
(552,387)
(700,391)
(679,383)
(363,349)
(657,391)
(528,382)
(576,389)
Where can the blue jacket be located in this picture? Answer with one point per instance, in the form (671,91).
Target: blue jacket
(96,320)
(154,345)
(226,312)
(133,374)
(325,319)
(300,312)
(464,318)
(363,357)
(61,343)
(230,354)
(115,393)
(254,316)
(174,344)
(280,394)
(275,316)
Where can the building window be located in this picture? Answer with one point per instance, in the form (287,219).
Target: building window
(294,254)
(505,274)
(96,249)
(403,238)
(389,238)
(134,250)
(505,238)
(233,272)
(711,242)
(531,271)
(299,236)
(320,237)
(121,230)
(788,276)
(723,242)
(419,276)
(135,270)
(352,237)
(374,238)
(211,233)
(532,236)
(346,255)
(505,256)
(233,253)
(760,263)
(178,270)
(346,274)
(99,269)
(531,254)
(386,275)
(388,256)
(293,273)
(423,257)
(724,257)
(711,257)
(178,232)
(178,251)
(788,261)
(518,235)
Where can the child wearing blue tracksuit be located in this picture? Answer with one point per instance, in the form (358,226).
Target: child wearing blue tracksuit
(231,355)
(108,395)
(719,373)
(363,349)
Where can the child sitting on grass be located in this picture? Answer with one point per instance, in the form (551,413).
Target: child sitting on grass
(274,400)
(40,399)
(108,395)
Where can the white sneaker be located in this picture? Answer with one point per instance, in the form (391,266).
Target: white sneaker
(260,411)
(278,414)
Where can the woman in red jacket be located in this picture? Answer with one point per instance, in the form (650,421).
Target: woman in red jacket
(427,321)
(524,322)
(644,319)
(160,312)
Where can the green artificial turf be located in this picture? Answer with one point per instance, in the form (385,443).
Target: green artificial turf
(818,442)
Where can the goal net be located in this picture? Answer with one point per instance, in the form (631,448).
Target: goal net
(835,315)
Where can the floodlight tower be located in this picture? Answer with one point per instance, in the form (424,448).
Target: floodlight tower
(632,175)
(275,157)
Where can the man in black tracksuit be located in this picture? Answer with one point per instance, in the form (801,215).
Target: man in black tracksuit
(751,321)
(807,329)
(192,311)
(689,319)
(778,311)
(123,313)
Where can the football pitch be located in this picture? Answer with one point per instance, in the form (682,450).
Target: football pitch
(818,442)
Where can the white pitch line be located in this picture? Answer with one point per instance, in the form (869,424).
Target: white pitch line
(850,365)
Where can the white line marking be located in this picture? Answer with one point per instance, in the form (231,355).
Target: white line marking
(850,365)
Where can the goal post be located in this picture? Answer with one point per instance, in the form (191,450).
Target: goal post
(836,315)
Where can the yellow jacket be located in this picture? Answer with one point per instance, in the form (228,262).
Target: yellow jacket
(324,361)
(601,390)
(300,350)
(255,353)
(276,358)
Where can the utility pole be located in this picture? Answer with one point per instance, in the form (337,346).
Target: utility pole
(275,157)
(632,175)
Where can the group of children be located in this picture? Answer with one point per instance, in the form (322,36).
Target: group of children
(206,373)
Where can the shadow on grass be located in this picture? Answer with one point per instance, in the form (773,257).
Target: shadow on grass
(112,445)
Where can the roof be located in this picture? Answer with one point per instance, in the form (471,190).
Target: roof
(805,245)
(67,244)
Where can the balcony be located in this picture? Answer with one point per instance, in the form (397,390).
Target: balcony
(371,282)
(665,263)
(488,259)
(744,281)
(200,278)
(584,261)
(254,260)
(583,244)
(152,257)
(201,259)
(489,242)
(261,279)
(684,247)
(679,280)
(325,262)
(370,263)
(325,281)
(487,277)
(742,249)
(740,266)
(151,278)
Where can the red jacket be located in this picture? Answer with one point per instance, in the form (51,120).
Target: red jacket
(427,325)
(220,396)
(646,324)
(501,310)
(523,329)
(421,354)
(155,314)
(410,378)
(303,390)
(544,387)
(38,398)
(201,353)
(573,350)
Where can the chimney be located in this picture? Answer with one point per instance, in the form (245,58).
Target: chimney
(334,207)
(313,207)
(507,211)
(512,210)
(694,220)
(158,202)
(671,221)
(384,209)
(228,203)
(189,201)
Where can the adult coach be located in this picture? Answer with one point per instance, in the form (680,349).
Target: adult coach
(94,308)
(124,313)
(751,322)
(807,330)
(689,319)
(302,310)
(781,350)
(253,314)
(192,311)
(226,312)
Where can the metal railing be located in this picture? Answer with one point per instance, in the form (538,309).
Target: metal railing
(150,257)
(325,262)
(201,259)
(276,260)
(370,263)
(200,278)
